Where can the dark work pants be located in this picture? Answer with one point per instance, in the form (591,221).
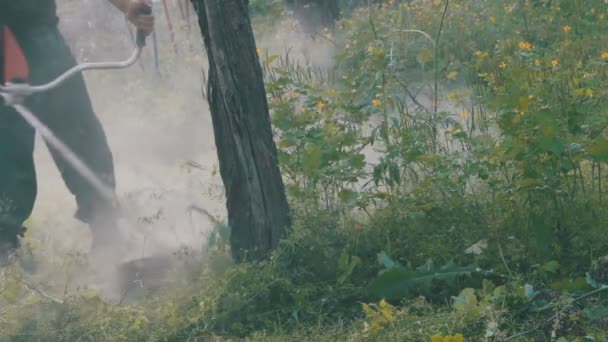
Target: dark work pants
(68,112)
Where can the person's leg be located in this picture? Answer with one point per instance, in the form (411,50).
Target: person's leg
(17,179)
(68,112)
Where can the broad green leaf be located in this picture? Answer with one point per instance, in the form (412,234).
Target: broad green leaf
(400,282)
(386,261)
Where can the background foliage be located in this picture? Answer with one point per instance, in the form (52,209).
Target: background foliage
(447,176)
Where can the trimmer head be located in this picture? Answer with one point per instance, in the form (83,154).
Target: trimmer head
(137,279)
(140,278)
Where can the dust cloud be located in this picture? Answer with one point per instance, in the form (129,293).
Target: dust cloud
(160,132)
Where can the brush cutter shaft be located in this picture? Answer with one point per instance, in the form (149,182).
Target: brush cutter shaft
(67,153)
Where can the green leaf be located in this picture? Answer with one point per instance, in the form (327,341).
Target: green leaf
(346,266)
(466,303)
(394,173)
(571,285)
(378,173)
(347,195)
(598,150)
(400,282)
(596,313)
(592,282)
(271,59)
(551,266)
(312,160)
(386,261)
(528,183)
(357,161)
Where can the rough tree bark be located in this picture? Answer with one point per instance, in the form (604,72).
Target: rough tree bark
(258,213)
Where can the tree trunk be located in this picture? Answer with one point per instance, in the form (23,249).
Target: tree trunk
(258,213)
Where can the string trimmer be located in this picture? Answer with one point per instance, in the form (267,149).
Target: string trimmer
(15,94)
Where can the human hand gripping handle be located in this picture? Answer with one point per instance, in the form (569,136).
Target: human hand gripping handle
(141,34)
(139,13)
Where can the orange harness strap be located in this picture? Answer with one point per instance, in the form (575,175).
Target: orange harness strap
(15,64)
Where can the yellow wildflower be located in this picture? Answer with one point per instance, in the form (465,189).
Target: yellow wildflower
(567,28)
(605,55)
(537,62)
(448,338)
(503,65)
(464,114)
(478,53)
(320,105)
(436,338)
(554,63)
(376,102)
(525,46)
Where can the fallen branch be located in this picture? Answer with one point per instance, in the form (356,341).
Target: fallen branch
(41,292)
(206,213)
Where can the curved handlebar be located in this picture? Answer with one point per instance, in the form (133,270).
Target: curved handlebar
(18,90)
(26,89)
